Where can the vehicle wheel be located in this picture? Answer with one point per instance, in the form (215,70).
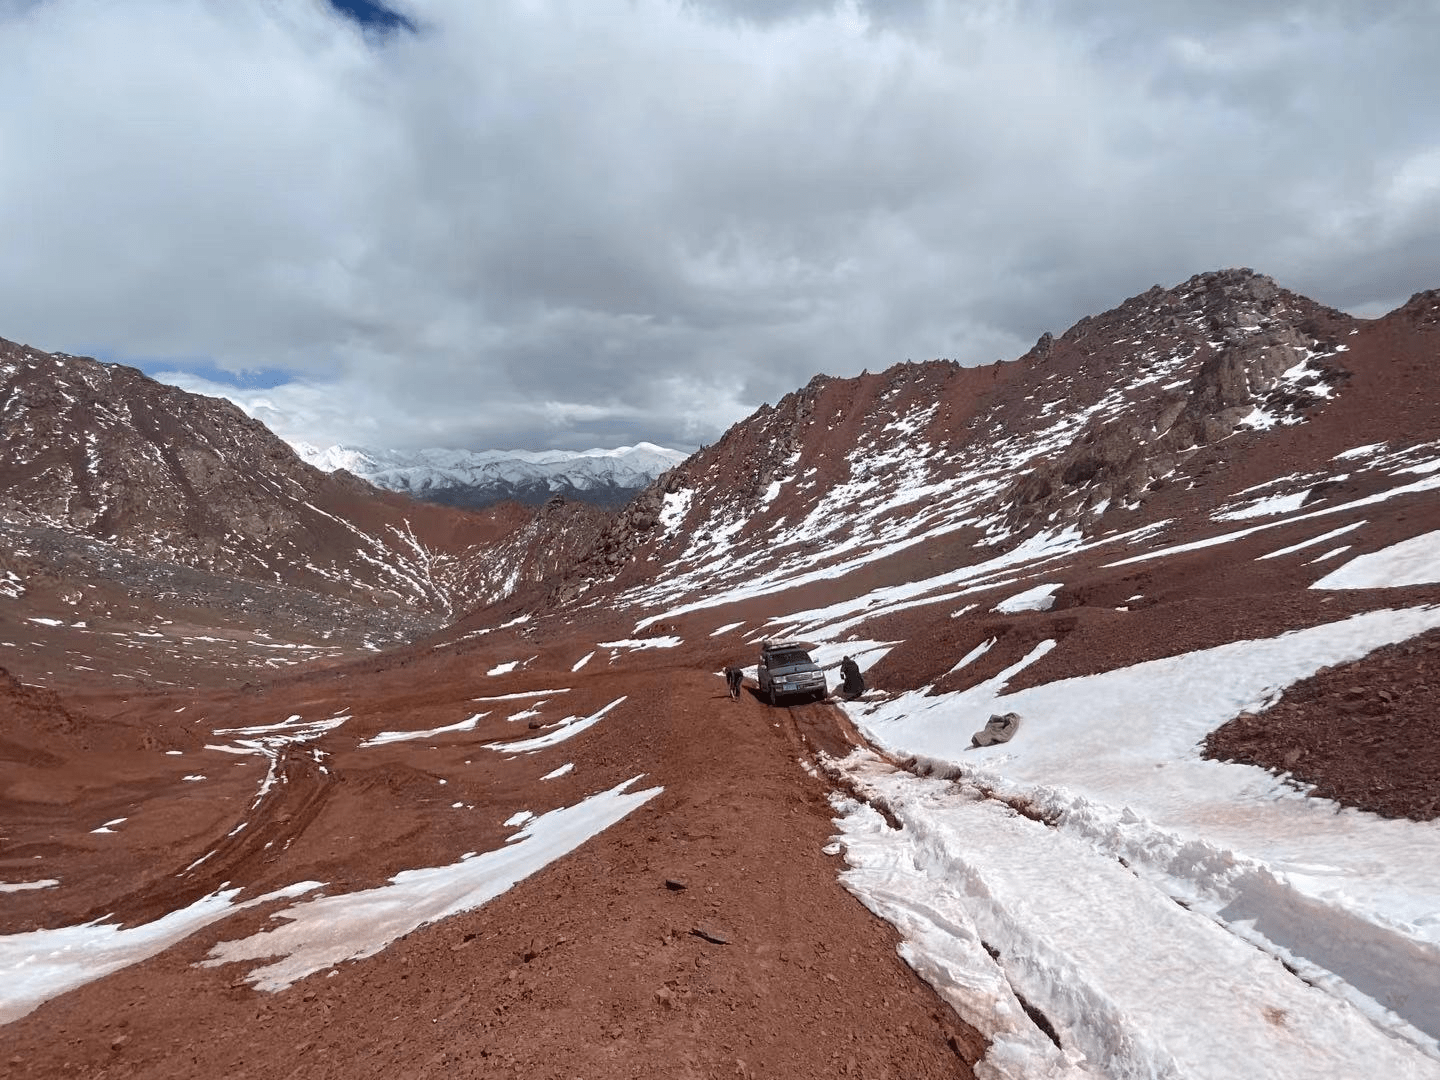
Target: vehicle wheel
(770,695)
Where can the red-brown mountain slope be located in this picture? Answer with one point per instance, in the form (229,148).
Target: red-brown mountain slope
(132,508)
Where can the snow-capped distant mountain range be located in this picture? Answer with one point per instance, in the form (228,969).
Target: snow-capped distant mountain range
(477,478)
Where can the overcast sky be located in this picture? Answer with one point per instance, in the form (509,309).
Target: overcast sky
(591,222)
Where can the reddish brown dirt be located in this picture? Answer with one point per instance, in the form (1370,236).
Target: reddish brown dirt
(590,968)
(616,984)
(1366,734)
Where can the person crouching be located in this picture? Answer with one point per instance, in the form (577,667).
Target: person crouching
(734,678)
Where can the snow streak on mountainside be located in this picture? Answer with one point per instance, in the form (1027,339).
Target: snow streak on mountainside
(478,478)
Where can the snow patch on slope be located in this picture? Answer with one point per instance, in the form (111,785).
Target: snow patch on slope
(1040,598)
(333,929)
(1411,562)
(41,964)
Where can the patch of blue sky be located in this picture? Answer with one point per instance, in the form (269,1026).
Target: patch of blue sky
(202,368)
(372,16)
(249,379)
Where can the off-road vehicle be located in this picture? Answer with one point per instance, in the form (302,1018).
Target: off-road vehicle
(786,670)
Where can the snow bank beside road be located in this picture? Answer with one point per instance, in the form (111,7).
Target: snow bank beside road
(1111,763)
(1134,985)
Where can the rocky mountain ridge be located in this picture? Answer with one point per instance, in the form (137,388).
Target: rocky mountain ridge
(1087,431)
(1100,429)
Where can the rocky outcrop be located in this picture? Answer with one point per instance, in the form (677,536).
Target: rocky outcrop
(1422,310)
(538,552)
(1238,352)
(1041,350)
(614,545)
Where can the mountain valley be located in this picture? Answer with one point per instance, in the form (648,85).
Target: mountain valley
(304,778)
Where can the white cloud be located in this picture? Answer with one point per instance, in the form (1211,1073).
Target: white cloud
(567,223)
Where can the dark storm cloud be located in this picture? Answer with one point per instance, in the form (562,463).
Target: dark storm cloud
(565,223)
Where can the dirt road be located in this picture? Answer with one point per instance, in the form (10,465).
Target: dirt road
(703,936)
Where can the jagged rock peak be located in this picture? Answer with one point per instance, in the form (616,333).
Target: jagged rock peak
(1219,307)
(1185,367)
(1423,309)
(1041,350)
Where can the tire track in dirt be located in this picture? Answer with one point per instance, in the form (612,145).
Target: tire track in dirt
(300,791)
(822,728)
(823,734)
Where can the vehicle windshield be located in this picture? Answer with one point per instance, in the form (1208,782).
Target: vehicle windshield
(785,657)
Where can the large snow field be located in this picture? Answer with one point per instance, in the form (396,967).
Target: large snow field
(1146,917)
